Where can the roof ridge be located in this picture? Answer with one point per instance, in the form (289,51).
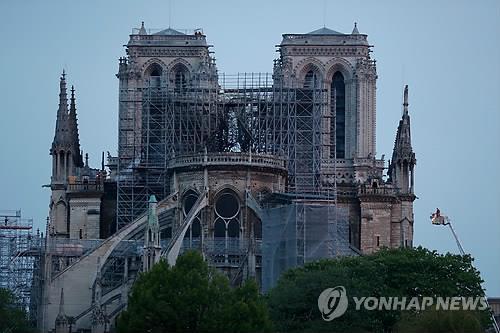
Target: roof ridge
(325,31)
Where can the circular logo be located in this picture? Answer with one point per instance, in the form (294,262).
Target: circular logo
(332,303)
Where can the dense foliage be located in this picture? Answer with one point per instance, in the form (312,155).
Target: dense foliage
(12,318)
(192,297)
(390,272)
(433,321)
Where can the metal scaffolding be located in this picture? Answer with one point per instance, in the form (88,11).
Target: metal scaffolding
(19,250)
(247,112)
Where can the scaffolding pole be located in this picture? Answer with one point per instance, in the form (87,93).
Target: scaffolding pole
(245,112)
(18,252)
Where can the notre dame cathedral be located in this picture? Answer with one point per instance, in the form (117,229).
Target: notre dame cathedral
(260,172)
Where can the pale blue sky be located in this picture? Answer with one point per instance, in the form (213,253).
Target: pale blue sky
(447,51)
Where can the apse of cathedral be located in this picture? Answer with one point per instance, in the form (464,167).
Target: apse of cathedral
(260,172)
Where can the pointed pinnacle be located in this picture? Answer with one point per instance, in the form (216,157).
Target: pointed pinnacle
(61,303)
(405,100)
(355,30)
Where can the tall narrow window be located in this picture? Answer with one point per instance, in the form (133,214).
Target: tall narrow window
(337,128)
(227,212)
(155,72)
(193,233)
(219,229)
(233,229)
(311,80)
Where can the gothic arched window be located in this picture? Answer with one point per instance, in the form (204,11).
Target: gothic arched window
(337,128)
(219,229)
(180,78)
(227,213)
(154,73)
(188,201)
(60,218)
(193,234)
(312,80)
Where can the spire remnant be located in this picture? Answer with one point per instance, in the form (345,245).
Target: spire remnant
(403,158)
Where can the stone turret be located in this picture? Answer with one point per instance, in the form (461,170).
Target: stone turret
(65,149)
(401,168)
(60,144)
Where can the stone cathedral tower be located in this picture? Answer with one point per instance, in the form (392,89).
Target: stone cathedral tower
(380,212)
(340,64)
(161,65)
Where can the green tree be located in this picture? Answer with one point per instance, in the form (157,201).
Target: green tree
(389,272)
(192,297)
(13,319)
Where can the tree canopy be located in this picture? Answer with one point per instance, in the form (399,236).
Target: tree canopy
(12,318)
(400,273)
(192,297)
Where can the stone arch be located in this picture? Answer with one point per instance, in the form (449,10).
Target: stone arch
(233,229)
(228,187)
(179,62)
(179,74)
(188,199)
(219,229)
(60,216)
(153,70)
(189,189)
(306,65)
(346,117)
(150,64)
(226,210)
(338,65)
